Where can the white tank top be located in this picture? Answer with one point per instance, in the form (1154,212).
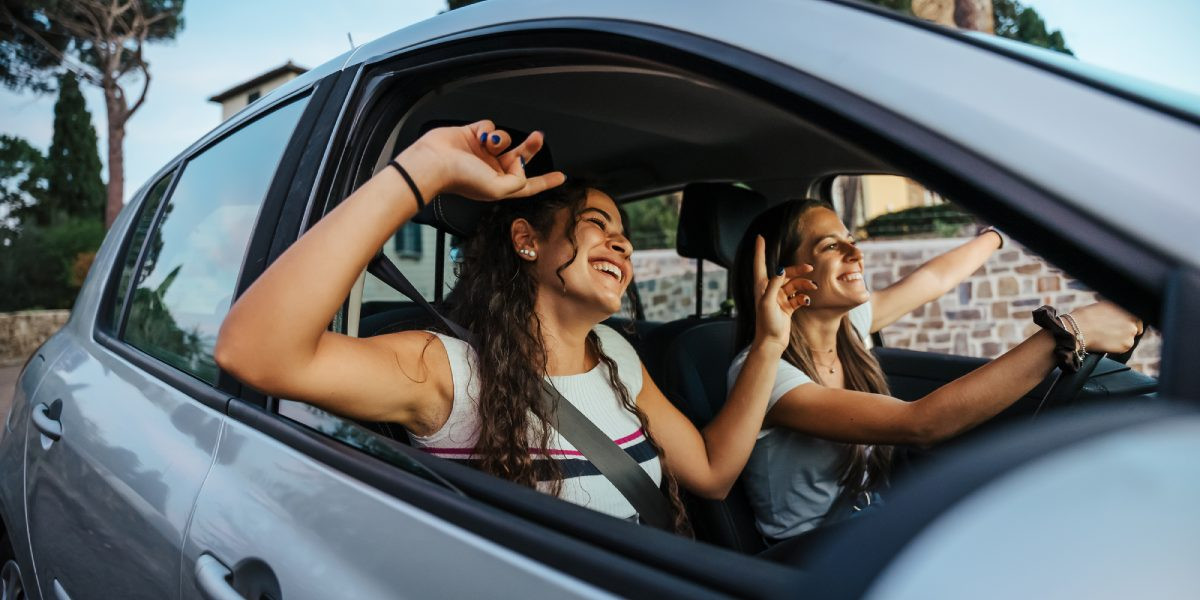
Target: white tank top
(590,392)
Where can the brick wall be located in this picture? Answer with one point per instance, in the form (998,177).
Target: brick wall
(22,332)
(985,316)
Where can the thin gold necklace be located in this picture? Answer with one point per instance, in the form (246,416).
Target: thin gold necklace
(828,366)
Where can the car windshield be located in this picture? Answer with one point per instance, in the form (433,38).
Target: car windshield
(1156,93)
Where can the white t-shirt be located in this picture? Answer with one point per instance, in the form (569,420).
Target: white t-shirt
(590,392)
(792,478)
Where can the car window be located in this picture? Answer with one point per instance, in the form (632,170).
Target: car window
(901,224)
(134,247)
(413,249)
(193,255)
(665,280)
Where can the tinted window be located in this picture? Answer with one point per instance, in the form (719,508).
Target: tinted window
(186,282)
(149,209)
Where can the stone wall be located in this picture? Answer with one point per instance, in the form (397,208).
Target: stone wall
(985,316)
(22,332)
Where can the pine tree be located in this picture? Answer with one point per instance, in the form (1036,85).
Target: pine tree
(72,167)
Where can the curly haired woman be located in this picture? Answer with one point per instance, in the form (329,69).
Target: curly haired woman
(545,268)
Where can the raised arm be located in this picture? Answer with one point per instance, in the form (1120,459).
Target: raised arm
(707,463)
(276,336)
(859,417)
(932,279)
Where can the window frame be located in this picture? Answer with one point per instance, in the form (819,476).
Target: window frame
(109,335)
(514,521)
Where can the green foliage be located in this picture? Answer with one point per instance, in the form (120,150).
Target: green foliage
(652,223)
(1023,23)
(1013,20)
(37,267)
(939,220)
(24,61)
(72,167)
(35,34)
(21,167)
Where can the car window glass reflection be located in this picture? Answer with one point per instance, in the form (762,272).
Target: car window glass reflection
(186,282)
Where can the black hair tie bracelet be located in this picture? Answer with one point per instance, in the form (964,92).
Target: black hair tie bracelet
(1064,341)
(412,184)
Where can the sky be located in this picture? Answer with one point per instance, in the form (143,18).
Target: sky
(225,42)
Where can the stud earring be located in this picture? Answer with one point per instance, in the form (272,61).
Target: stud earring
(527,252)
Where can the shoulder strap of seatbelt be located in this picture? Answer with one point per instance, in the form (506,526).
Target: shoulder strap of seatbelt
(614,463)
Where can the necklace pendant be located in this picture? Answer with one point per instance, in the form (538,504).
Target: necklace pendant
(830,370)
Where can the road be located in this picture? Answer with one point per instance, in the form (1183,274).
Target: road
(8,381)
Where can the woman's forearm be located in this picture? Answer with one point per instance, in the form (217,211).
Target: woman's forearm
(950,268)
(984,392)
(279,320)
(730,436)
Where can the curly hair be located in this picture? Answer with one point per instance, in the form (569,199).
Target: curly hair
(512,359)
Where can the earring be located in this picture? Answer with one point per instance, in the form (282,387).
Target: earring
(527,252)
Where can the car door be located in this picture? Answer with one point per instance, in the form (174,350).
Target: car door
(123,427)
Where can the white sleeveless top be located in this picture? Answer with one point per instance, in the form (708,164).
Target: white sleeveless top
(590,392)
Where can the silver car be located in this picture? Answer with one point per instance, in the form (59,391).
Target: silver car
(131,466)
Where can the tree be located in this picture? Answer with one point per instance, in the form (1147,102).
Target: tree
(104,47)
(1005,18)
(1018,22)
(72,166)
(21,166)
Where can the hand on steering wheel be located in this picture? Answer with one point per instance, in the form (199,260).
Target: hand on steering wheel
(1112,329)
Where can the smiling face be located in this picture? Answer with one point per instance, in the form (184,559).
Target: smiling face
(597,277)
(837,262)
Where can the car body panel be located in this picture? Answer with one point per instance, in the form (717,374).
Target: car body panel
(1119,508)
(322,533)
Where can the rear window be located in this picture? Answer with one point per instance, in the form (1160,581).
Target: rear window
(194,254)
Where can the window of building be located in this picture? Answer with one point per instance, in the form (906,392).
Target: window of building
(252,96)
(407,241)
(193,255)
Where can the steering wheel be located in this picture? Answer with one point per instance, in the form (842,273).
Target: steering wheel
(1068,385)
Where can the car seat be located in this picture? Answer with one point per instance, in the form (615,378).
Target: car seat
(689,358)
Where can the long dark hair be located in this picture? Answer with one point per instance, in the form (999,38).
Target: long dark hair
(494,299)
(863,467)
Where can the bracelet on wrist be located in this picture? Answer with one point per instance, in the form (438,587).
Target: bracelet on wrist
(411,184)
(1069,348)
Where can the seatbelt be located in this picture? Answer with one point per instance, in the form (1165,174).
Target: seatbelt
(614,463)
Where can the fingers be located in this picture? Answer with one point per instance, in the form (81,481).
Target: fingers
(494,142)
(514,160)
(760,265)
(539,184)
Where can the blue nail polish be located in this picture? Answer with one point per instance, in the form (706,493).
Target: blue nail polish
(807,301)
(522,159)
(483,138)
(495,139)
(780,271)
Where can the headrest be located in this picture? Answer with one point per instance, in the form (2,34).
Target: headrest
(712,219)
(459,216)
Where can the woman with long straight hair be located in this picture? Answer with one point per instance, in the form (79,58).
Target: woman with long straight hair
(547,265)
(825,448)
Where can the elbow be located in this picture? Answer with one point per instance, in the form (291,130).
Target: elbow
(713,491)
(236,356)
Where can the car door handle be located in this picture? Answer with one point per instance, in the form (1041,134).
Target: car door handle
(212,579)
(46,419)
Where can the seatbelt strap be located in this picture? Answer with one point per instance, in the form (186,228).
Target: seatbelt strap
(614,463)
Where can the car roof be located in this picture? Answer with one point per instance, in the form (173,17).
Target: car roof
(1122,162)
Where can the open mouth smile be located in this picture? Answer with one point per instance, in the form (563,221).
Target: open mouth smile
(609,268)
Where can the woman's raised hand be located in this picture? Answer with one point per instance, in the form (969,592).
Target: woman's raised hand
(476,161)
(1107,328)
(778,297)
